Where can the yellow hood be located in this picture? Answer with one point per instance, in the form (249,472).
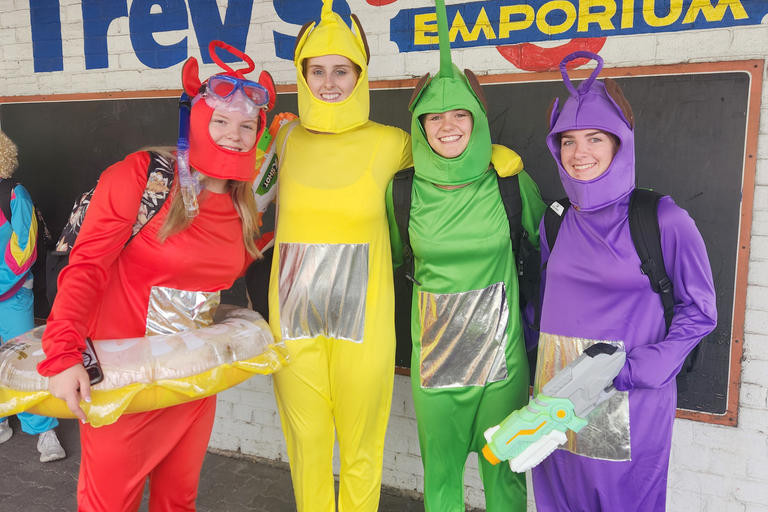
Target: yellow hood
(332,37)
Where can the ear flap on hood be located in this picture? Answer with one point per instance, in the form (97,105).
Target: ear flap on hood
(190,77)
(265,79)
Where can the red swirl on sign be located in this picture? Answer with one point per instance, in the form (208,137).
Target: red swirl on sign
(530,57)
(378,3)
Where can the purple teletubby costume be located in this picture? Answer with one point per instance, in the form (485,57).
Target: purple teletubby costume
(596,292)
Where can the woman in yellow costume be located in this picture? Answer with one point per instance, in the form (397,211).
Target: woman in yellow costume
(331,296)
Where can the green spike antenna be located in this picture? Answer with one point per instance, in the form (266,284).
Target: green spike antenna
(446,65)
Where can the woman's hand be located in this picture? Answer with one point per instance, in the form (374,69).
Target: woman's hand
(72,385)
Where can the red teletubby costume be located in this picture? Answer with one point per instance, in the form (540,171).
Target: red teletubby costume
(112,290)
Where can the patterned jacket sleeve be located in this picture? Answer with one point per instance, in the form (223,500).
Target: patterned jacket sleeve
(107,227)
(18,238)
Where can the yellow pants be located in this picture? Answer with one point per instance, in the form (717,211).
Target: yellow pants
(336,383)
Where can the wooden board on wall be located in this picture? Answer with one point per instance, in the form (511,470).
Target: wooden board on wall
(696,133)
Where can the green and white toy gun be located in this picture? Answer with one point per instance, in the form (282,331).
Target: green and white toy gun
(528,435)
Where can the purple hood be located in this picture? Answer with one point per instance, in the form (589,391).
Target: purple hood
(591,106)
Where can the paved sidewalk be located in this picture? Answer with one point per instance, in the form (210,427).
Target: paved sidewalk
(227,484)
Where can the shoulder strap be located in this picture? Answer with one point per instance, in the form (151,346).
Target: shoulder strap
(6,186)
(402,185)
(553,217)
(160,174)
(509,187)
(644,228)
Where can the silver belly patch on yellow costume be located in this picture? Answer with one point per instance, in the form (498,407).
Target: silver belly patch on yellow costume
(463,337)
(171,311)
(322,290)
(607,435)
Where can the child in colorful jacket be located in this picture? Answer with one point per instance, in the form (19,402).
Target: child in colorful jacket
(18,237)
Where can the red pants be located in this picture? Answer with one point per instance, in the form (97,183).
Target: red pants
(167,445)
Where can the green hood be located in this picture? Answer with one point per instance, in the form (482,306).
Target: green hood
(450,89)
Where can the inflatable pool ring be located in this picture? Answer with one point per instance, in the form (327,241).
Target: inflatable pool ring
(142,374)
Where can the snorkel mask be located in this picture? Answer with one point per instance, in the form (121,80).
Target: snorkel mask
(449,89)
(600,106)
(229,91)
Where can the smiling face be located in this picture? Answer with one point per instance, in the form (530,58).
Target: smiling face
(448,132)
(233,130)
(331,78)
(586,154)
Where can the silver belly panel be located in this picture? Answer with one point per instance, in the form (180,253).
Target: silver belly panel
(607,435)
(463,337)
(322,290)
(171,311)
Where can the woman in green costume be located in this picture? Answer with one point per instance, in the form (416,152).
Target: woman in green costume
(468,365)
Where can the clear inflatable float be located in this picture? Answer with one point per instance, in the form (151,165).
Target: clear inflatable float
(142,374)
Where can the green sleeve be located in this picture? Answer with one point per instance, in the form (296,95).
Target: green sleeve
(394,234)
(533,206)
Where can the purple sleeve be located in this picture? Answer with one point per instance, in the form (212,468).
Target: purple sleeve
(695,313)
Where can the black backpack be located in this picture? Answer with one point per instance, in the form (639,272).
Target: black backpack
(44,243)
(160,176)
(527,257)
(646,237)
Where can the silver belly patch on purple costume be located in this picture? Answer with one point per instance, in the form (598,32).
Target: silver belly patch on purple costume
(463,337)
(322,290)
(170,311)
(607,435)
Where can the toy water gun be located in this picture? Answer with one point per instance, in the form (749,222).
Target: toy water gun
(530,434)
(264,188)
(265,183)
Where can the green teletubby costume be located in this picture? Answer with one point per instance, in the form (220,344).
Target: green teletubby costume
(468,365)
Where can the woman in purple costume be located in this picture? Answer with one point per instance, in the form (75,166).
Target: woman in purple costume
(595,292)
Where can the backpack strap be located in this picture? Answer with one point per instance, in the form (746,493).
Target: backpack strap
(160,175)
(6,186)
(509,188)
(644,228)
(402,185)
(553,218)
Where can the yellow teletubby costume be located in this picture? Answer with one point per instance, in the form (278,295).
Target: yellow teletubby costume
(331,296)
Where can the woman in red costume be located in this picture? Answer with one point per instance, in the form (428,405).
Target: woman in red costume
(165,279)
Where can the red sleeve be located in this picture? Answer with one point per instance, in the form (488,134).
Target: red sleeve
(107,227)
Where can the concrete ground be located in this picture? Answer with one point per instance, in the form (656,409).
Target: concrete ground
(227,484)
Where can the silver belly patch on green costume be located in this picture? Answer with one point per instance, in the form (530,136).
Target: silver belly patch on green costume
(322,290)
(170,310)
(607,435)
(463,337)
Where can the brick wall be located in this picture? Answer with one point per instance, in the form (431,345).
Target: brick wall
(713,468)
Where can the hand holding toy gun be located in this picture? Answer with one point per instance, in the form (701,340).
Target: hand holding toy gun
(530,434)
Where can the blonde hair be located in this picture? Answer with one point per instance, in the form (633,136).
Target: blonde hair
(242,198)
(9,156)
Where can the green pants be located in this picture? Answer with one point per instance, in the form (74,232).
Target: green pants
(451,425)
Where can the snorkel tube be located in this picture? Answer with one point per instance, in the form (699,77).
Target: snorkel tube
(189,184)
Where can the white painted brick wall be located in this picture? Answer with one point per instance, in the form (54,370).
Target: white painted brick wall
(713,468)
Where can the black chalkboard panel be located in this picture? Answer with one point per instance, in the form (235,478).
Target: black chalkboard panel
(690,133)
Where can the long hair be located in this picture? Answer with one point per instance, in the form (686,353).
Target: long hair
(9,159)
(242,198)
